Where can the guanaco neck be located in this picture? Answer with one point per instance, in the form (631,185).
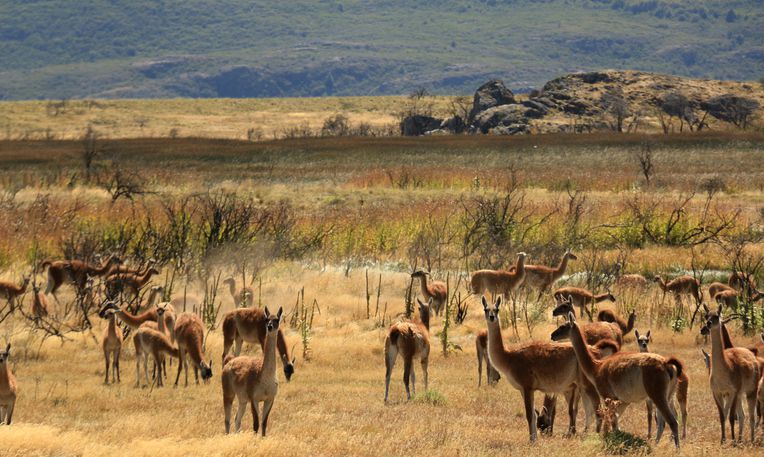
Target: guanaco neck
(630,323)
(144,278)
(134,321)
(112,326)
(103,268)
(718,357)
(424,286)
(601,297)
(560,270)
(5,374)
(520,266)
(586,360)
(269,355)
(425,318)
(283,349)
(232,288)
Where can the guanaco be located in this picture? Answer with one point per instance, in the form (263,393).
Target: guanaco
(683,384)
(76,272)
(242,297)
(12,292)
(189,334)
(734,374)
(253,379)
(499,281)
(633,281)
(548,367)
(40,305)
(545,417)
(411,339)
(125,269)
(128,283)
(607,315)
(743,282)
(432,290)
(593,331)
(682,285)
(542,278)
(111,344)
(248,324)
(7,387)
(481,346)
(149,341)
(133,320)
(625,378)
(581,298)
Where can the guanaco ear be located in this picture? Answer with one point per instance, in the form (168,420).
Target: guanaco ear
(267,313)
(280,311)
(8,349)
(719,311)
(420,302)
(571,317)
(294,359)
(485,302)
(544,411)
(648,335)
(429,302)
(705,308)
(636,334)
(498,303)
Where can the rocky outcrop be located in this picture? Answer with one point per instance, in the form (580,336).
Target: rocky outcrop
(504,115)
(417,124)
(491,94)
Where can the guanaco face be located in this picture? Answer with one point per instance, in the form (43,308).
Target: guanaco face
(5,355)
(643,341)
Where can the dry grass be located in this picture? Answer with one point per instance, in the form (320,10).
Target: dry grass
(333,406)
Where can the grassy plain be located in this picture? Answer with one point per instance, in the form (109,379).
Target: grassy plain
(377,196)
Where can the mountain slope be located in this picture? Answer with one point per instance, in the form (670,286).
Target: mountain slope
(238,48)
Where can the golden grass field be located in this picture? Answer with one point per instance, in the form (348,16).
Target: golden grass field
(356,186)
(332,406)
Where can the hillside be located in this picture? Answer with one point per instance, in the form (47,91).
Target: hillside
(237,48)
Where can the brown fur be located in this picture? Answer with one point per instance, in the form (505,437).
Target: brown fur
(253,380)
(734,375)
(76,272)
(128,283)
(682,285)
(626,378)
(432,290)
(40,304)
(594,332)
(581,298)
(242,297)
(727,298)
(481,346)
(542,278)
(411,340)
(683,384)
(189,334)
(548,367)
(111,344)
(716,287)
(248,324)
(12,292)
(743,282)
(626,327)
(149,341)
(498,282)
(8,387)
(634,281)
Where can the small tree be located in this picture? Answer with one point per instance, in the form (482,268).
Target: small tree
(732,108)
(646,163)
(617,107)
(336,125)
(90,150)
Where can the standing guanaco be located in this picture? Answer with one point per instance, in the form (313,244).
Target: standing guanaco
(581,298)
(76,272)
(128,283)
(189,334)
(253,379)
(734,374)
(625,378)
(248,324)
(542,278)
(498,282)
(40,304)
(242,297)
(594,332)
(112,346)
(149,341)
(7,387)
(435,291)
(683,384)
(411,340)
(481,346)
(12,292)
(682,285)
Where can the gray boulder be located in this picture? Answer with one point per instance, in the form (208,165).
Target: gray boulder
(489,95)
(454,124)
(417,125)
(501,115)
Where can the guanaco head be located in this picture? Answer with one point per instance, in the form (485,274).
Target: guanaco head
(564,308)
(161,309)
(544,419)
(562,332)
(4,355)
(643,340)
(229,280)
(569,254)
(491,315)
(713,320)
(420,274)
(206,370)
(657,278)
(610,296)
(107,305)
(152,271)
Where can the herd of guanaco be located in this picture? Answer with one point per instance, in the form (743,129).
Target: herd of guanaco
(583,361)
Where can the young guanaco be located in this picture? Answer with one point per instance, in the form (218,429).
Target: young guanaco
(111,344)
(253,380)
(151,342)
(411,340)
(498,282)
(436,291)
(7,387)
(542,278)
(12,292)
